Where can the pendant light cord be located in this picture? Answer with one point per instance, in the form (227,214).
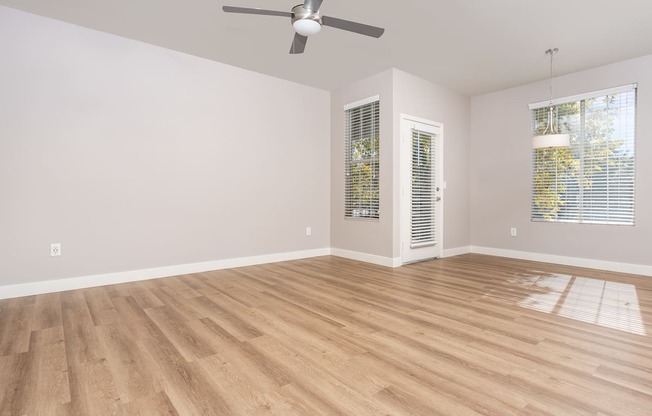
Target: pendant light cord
(552,54)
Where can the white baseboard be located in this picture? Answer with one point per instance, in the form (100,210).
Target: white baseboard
(451,252)
(367,258)
(49,286)
(640,269)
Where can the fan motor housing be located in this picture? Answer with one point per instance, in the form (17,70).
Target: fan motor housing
(301,13)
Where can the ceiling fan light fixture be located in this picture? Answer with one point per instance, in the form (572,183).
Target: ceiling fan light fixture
(307,20)
(306,27)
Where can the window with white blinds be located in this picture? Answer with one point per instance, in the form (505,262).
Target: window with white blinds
(362,161)
(593,180)
(423,195)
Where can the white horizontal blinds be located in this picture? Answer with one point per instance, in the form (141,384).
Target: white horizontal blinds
(423,190)
(362,167)
(555,187)
(593,180)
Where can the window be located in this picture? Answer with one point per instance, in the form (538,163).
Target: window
(423,193)
(362,163)
(592,181)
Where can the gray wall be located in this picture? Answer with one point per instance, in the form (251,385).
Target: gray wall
(400,93)
(417,97)
(501,171)
(364,236)
(133,156)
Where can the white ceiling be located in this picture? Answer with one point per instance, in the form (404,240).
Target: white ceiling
(470,46)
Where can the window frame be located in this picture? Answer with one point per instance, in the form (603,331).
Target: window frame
(371,210)
(613,213)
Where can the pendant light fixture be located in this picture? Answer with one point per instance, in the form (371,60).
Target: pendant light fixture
(551,136)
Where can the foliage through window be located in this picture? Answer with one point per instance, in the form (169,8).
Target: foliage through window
(362,127)
(592,181)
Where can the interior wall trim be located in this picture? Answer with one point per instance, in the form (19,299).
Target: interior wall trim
(457,251)
(640,269)
(367,258)
(84,282)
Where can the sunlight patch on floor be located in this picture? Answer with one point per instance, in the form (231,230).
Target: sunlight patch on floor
(605,303)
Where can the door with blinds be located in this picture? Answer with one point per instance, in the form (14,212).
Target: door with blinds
(421,189)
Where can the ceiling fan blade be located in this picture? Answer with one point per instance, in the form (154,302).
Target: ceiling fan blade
(298,44)
(247,10)
(313,5)
(350,26)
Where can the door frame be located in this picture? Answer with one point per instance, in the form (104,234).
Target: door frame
(406,124)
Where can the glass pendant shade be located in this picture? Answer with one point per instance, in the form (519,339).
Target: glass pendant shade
(551,136)
(550,140)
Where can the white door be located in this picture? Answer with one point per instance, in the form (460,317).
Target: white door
(421,189)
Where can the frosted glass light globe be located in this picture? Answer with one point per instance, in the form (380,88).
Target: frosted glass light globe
(306,27)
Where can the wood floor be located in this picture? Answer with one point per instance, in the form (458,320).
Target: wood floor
(466,335)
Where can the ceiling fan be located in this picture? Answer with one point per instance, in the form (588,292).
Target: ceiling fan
(307,21)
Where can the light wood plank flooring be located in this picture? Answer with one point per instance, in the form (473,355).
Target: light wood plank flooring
(466,335)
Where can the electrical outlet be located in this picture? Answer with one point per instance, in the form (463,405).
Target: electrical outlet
(513,232)
(308,231)
(55,249)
